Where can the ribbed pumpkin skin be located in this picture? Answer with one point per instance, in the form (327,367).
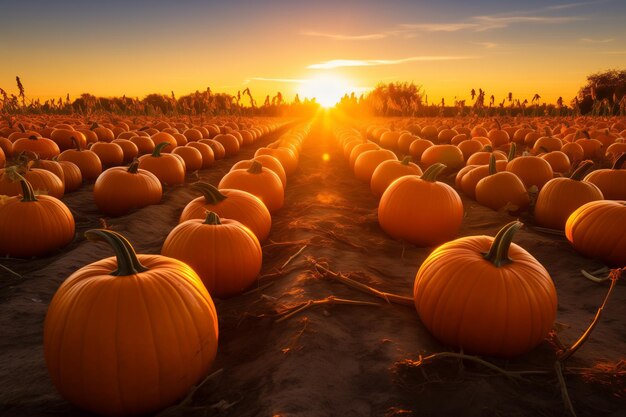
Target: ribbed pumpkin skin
(117,191)
(127,345)
(501,189)
(266,185)
(287,157)
(268,161)
(389,171)
(239,205)
(598,230)
(72,176)
(560,197)
(226,256)
(41,180)
(532,170)
(367,162)
(88,162)
(420,212)
(34,228)
(169,169)
(467,302)
(612,182)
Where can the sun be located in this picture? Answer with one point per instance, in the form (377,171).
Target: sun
(326,89)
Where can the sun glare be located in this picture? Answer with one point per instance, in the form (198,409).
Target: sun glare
(327,90)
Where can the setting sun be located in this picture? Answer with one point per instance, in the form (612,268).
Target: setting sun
(326,89)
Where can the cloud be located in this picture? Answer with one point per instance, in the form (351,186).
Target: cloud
(594,41)
(338,63)
(571,5)
(498,22)
(438,27)
(340,37)
(487,45)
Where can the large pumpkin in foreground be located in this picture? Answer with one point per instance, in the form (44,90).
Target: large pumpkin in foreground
(598,230)
(486,295)
(129,334)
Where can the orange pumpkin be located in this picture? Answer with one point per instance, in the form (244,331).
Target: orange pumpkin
(421,210)
(191,156)
(230,259)
(33,226)
(168,168)
(449,155)
(44,148)
(367,162)
(389,171)
(267,161)
(612,182)
(597,230)
(532,170)
(502,189)
(259,181)
(485,295)
(110,154)
(87,161)
(150,313)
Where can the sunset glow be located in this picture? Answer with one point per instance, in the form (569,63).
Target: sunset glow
(448,48)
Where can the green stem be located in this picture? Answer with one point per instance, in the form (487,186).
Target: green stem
(211,194)
(406,160)
(499,251)
(127,262)
(619,162)
(212,218)
(432,172)
(255,168)
(582,169)
(492,165)
(512,151)
(134,167)
(157,149)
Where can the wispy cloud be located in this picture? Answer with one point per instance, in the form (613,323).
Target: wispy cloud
(595,41)
(438,27)
(572,5)
(487,45)
(340,37)
(498,22)
(338,63)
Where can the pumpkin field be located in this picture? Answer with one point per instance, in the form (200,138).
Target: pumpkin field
(319,266)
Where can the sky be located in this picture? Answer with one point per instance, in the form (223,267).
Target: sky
(137,47)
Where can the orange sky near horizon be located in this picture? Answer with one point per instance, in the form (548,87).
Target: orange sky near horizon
(116,48)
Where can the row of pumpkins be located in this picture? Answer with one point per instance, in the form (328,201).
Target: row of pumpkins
(495,180)
(414,207)
(165,343)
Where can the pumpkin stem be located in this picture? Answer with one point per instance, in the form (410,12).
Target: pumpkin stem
(432,172)
(211,194)
(157,149)
(582,169)
(512,151)
(492,164)
(33,137)
(406,160)
(75,143)
(487,148)
(499,251)
(619,162)
(94,125)
(212,218)
(255,168)
(127,262)
(498,123)
(134,166)
(28,194)
(21,127)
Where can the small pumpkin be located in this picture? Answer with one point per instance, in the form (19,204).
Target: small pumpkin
(367,162)
(421,210)
(87,161)
(149,314)
(44,148)
(233,204)
(230,258)
(560,197)
(502,189)
(33,225)
(485,295)
(258,181)
(110,154)
(168,168)
(389,171)
(612,182)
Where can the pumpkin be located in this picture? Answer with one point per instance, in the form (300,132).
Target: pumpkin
(233,204)
(612,182)
(560,197)
(129,334)
(3,158)
(469,148)
(258,181)
(104,134)
(500,190)
(144,144)
(287,157)
(389,171)
(598,230)
(67,139)
(161,137)
(229,142)
(73,179)
(208,158)
(119,190)
(33,226)
(218,149)
(472,177)
(230,259)
(532,170)
(44,148)
(130,150)
(168,168)
(359,149)
(267,161)
(87,161)
(449,155)
(42,181)
(192,157)
(110,154)
(367,162)
(485,295)
(558,160)
(421,210)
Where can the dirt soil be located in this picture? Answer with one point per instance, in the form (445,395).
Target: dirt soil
(329,359)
